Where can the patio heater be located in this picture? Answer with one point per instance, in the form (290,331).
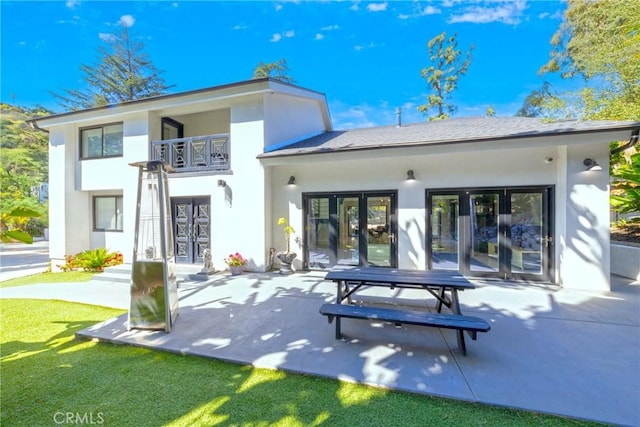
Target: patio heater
(154,290)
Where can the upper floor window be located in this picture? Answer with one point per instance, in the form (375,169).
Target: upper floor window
(101,141)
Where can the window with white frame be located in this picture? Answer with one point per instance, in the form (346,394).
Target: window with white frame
(101,141)
(107,213)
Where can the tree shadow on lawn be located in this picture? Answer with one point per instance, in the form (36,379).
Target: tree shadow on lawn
(125,385)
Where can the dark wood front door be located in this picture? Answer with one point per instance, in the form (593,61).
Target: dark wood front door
(191,219)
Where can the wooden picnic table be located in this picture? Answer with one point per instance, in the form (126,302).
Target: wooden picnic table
(443,285)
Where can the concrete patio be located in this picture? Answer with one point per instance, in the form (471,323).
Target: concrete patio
(550,350)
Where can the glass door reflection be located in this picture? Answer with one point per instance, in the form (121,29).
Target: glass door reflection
(527,233)
(379,237)
(348,230)
(318,233)
(485,234)
(444,232)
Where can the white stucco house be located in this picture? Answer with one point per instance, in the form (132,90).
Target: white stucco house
(498,197)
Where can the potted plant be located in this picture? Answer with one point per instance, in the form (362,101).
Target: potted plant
(287,257)
(236,263)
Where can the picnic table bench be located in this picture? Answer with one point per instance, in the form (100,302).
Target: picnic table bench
(444,286)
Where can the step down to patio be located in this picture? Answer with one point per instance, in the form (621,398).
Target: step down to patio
(122,274)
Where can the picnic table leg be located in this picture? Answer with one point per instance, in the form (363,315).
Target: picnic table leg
(461,344)
(455,304)
(439,302)
(339,301)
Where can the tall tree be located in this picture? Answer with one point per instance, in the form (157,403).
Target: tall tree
(448,64)
(538,102)
(599,41)
(278,70)
(23,167)
(123,73)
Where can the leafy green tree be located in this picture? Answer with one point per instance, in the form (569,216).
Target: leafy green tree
(448,64)
(23,165)
(490,111)
(123,73)
(278,70)
(538,102)
(599,42)
(625,189)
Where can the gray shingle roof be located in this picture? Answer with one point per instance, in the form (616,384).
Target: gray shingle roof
(443,131)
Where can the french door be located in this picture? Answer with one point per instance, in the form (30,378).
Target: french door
(350,229)
(191,225)
(505,232)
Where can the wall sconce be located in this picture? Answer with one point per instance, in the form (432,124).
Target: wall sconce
(592,165)
(548,159)
(292,180)
(222,183)
(410,175)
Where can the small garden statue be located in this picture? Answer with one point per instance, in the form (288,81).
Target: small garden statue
(287,257)
(208,262)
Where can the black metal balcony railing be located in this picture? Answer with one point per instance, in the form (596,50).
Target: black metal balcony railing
(196,153)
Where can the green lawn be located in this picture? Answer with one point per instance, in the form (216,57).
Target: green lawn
(67,276)
(48,376)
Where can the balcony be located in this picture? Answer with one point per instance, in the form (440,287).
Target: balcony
(196,153)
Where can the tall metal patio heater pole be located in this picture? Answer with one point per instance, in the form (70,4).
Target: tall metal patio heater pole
(154,290)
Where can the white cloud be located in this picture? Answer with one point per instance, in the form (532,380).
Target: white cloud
(71,4)
(276,37)
(425,11)
(279,7)
(126,21)
(174,4)
(330,27)
(240,27)
(377,7)
(107,37)
(355,6)
(557,15)
(430,10)
(506,13)
(319,36)
(360,47)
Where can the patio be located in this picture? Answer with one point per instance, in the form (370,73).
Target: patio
(550,350)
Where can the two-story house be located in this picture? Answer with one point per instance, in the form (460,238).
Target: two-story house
(491,197)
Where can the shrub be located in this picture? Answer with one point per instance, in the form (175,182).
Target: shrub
(92,260)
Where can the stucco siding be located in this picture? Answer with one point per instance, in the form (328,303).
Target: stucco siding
(580,216)
(584,258)
(289,119)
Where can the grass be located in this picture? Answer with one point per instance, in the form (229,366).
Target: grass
(67,276)
(47,374)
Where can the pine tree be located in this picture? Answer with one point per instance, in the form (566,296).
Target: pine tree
(443,75)
(123,73)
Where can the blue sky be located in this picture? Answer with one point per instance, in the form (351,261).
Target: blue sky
(365,56)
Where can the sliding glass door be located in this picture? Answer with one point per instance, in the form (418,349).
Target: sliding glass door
(350,229)
(502,232)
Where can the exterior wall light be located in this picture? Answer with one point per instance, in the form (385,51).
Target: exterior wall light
(410,175)
(222,183)
(292,180)
(592,165)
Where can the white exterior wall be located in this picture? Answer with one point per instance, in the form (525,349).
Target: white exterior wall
(289,119)
(583,251)
(207,123)
(583,221)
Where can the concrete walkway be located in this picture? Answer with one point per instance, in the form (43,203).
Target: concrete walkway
(550,350)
